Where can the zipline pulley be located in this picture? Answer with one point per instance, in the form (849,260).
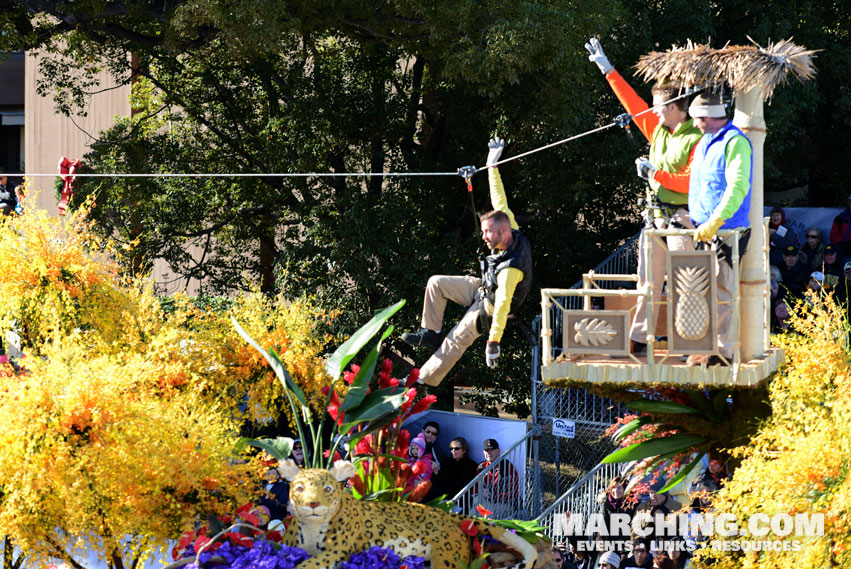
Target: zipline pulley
(467,173)
(623,121)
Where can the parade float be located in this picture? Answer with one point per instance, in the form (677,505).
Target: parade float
(86,470)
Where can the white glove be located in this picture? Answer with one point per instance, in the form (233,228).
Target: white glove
(495,147)
(644,168)
(491,354)
(597,56)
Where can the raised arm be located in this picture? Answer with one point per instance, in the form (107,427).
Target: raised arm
(630,100)
(499,201)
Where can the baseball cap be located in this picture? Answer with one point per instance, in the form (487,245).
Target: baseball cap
(490,444)
(790,250)
(830,248)
(707,105)
(847,266)
(817,275)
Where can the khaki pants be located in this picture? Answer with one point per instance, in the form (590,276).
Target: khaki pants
(638,330)
(460,290)
(725,281)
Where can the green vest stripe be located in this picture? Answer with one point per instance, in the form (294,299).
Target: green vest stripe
(669,152)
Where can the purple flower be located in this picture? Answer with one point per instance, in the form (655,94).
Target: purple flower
(269,555)
(381,558)
(264,555)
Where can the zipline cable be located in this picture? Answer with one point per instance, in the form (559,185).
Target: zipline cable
(466,172)
(619,121)
(240,175)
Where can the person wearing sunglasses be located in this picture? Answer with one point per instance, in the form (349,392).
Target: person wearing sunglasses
(812,252)
(430,432)
(455,472)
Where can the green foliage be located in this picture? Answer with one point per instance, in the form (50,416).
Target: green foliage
(405,85)
(374,406)
(676,429)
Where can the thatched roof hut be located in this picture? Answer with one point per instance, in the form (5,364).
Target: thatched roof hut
(741,68)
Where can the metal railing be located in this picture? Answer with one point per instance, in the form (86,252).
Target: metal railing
(623,261)
(583,498)
(562,461)
(508,486)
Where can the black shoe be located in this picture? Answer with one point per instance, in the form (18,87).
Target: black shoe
(426,338)
(639,348)
(717,361)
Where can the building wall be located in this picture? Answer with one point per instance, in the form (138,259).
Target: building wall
(50,135)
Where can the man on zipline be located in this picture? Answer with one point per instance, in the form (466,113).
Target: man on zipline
(672,137)
(505,283)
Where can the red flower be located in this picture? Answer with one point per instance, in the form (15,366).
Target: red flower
(202,541)
(334,409)
(327,453)
(245,514)
(386,365)
(412,377)
(419,492)
(275,536)
(477,547)
(404,441)
(364,446)
(239,539)
(423,404)
(325,390)
(358,484)
(469,527)
(418,468)
(411,395)
(484,512)
(349,377)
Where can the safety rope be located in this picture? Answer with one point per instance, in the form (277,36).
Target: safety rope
(465,172)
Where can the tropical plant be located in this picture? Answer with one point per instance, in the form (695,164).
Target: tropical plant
(121,433)
(670,437)
(383,471)
(358,414)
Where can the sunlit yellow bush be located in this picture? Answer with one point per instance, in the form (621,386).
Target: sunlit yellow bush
(799,461)
(90,449)
(126,419)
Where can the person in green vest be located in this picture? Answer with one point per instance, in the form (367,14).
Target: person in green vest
(672,138)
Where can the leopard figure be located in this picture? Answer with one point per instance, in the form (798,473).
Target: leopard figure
(331,525)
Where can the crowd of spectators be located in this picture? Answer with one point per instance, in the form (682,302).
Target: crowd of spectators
(648,549)
(803,271)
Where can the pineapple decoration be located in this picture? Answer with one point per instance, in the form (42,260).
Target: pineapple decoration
(692,315)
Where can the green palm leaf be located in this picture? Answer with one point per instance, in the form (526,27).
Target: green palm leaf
(653,447)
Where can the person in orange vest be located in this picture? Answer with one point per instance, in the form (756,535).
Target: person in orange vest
(672,136)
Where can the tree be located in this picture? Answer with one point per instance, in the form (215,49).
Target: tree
(399,86)
(332,87)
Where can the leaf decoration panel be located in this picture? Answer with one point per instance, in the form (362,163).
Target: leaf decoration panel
(596,332)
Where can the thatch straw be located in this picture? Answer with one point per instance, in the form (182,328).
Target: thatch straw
(742,68)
